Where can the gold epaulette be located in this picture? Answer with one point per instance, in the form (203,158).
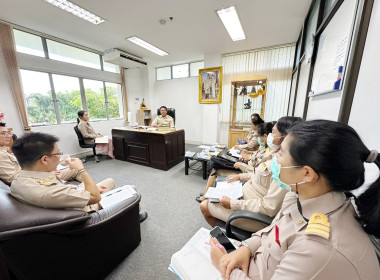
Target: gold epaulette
(319,225)
(267,151)
(45,182)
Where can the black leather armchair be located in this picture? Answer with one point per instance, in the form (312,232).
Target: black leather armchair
(38,243)
(171,112)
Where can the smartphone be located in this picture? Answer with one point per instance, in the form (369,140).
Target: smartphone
(223,239)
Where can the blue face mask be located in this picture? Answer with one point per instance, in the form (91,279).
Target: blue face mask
(260,143)
(276,169)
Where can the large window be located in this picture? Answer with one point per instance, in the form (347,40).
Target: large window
(114,100)
(65,53)
(95,99)
(69,100)
(47,106)
(28,43)
(33,44)
(38,97)
(179,71)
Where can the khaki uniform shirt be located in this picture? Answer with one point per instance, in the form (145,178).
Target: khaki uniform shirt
(256,158)
(9,167)
(160,121)
(87,132)
(252,142)
(261,193)
(45,190)
(346,254)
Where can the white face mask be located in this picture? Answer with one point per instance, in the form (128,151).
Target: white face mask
(270,142)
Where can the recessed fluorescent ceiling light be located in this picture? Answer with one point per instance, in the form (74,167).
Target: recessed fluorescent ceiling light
(146,45)
(231,22)
(76,10)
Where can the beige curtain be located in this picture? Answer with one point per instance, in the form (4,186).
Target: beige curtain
(275,63)
(124,93)
(9,54)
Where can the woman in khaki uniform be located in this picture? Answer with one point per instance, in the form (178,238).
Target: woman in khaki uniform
(252,143)
(262,154)
(85,128)
(260,194)
(317,233)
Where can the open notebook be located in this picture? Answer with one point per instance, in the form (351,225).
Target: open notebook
(193,261)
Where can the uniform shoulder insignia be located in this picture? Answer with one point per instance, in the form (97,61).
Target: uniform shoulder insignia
(319,225)
(44,182)
(267,150)
(265,167)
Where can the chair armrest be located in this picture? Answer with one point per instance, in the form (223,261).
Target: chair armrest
(103,216)
(255,216)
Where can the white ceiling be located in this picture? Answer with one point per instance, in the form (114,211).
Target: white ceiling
(195,30)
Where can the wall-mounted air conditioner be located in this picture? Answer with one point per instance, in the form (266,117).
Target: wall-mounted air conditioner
(123,59)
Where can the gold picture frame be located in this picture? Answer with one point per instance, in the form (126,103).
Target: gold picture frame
(210,85)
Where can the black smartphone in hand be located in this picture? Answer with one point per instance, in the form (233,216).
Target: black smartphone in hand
(223,239)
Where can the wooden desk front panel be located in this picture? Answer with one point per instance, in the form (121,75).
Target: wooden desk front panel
(161,151)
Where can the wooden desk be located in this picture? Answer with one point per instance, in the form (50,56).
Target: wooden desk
(157,149)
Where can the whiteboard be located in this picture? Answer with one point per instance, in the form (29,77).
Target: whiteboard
(333,48)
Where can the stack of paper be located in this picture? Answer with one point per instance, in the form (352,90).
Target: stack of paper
(232,190)
(101,140)
(193,261)
(234,152)
(116,195)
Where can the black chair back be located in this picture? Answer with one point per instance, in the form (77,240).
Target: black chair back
(171,112)
(79,135)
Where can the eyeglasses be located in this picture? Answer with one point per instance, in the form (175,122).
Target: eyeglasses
(5,133)
(55,154)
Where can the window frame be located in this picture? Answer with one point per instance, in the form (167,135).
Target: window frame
(82,93)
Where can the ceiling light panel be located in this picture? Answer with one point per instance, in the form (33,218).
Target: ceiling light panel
(146,45)
(76,10)
(230,19)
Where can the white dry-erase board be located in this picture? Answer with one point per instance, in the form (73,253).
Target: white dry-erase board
(333,48)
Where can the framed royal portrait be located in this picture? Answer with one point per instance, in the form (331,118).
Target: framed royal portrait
(210,85)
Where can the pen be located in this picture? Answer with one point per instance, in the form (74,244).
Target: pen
(220,246)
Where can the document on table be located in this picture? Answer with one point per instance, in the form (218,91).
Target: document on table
(234,152)
(204,147)
(193,261)
(232,190)
(101,140)
(116,195)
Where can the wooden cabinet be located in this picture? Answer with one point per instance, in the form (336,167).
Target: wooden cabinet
(234,135)
(144,117)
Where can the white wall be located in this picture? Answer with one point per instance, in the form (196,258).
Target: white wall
(181,94)
(365,112)
(136,83)
(68,143)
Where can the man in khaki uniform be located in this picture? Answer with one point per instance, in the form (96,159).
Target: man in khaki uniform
(290,248)
(37,184)
(164,119)
(260,194)
(9,166)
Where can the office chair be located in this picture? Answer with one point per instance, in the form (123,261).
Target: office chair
(83,145)
(171,112)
